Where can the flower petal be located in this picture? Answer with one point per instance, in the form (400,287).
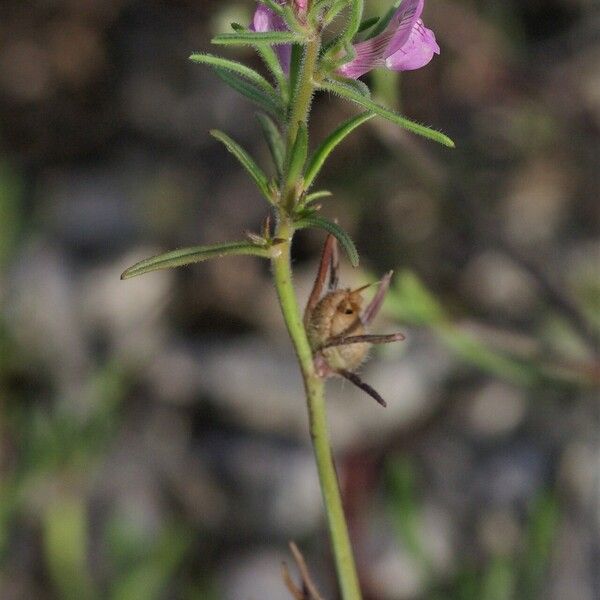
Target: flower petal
(369,54)
(416,52)
(402,24)
(373,52)
(266,20)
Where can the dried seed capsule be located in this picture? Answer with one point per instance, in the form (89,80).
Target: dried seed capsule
(336,315)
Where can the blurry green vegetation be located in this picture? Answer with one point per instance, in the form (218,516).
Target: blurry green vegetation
(404,508)
(10,211)
(143,568)
(410,302)
(65,538)
(510,576)
(56,452)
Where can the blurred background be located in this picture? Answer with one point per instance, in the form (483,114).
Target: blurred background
(153,435)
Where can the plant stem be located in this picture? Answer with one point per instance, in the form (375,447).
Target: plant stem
(314,387)
(313,384)
(300,109)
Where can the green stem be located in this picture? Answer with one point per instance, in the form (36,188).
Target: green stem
(300,109)
(314,387)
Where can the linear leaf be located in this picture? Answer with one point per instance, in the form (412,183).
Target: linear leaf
(239,68)
(343,90)
(334,10)
(296,60)
(354,19)
(297,157)
(195,254)
(274,141)
(251,91)
(292,21)
(247,161)
(316,221)
(367,24)
(310,198)
(384,21)
(328,145)
(271,60)
(274,6)
(357,85)
(252,38)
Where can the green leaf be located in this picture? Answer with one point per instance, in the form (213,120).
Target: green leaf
(231,65)
(247,161)
(252,92)
(367,24)
(385,20)
(354,20)
(195,254)
(316,196)
(356,84)
(315,221)
(349,93)
(297,157)
(274,6)
(295,66)
(274,141)
(292,21)
(333,11)
(271,60)
(253,38)
(328,145)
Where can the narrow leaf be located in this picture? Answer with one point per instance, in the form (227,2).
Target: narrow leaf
(367,24)
(344,39)
(310,198)
(247,161)
(334,10)
(316,221)
(274,141)
(385,20)
(252,92)
(297,157)
(354,20)
(271,60)
(295,67)
(252,38)
(239,68)
(292,21)
(274,6)
(195,254)
(343,90)
(326,148)
(356,85)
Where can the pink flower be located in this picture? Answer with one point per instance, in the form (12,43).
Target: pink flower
(404,45)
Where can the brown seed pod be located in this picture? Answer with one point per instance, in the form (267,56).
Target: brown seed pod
(337,313)
(336,324)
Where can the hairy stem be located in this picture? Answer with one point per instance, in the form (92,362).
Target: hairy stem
(314,387)
(313,384)
(301,101)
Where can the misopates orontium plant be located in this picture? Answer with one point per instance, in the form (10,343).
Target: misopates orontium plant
(311,46)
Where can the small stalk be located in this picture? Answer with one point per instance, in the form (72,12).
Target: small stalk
(313,384)
(315,398)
